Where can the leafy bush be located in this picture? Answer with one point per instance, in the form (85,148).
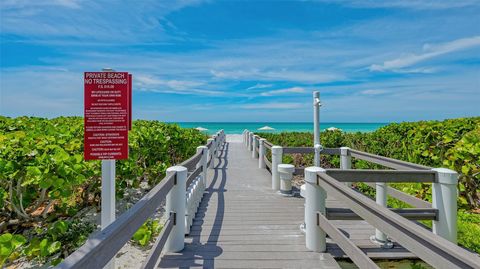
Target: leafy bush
(43,178)
(148,230)
(453,143)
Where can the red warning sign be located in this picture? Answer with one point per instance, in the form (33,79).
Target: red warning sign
(107,115)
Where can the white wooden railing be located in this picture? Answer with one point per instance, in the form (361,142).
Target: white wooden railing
(182,189)
(438,248)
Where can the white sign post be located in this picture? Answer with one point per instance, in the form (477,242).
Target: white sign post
(108,198)
(108,194)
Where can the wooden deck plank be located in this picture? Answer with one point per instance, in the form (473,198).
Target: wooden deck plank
(242,223)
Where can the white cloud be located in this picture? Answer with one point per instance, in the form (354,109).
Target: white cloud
(283,91)
(430,51)
(273,106)
(92,21)
(152,82)
(18,4)
(373,92)
(259,86)
(408,4)
(279,75)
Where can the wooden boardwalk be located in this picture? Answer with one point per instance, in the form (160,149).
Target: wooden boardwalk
(242,223)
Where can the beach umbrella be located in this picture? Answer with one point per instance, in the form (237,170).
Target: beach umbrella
(266,128)
(201,129)
(333,129)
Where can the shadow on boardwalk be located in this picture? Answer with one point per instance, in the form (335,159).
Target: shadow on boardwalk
(195,250)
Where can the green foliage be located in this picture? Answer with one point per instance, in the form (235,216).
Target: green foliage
(468,230)
(57,238)
(43,176)
(147,231)
(453,143)
(41,163)
(9,245)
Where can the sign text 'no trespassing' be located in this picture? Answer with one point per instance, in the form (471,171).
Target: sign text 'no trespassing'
(107,115)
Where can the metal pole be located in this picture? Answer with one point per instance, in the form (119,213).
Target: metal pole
(316,118)
(318,148)
(175,204)
(315,196)
(444,198)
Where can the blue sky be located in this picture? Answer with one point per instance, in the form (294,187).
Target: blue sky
(194,60)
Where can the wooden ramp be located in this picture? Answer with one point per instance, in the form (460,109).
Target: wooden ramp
(243,223)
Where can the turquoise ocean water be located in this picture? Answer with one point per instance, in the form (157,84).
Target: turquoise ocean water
(238,127)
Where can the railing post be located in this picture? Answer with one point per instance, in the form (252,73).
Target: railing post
(255,145)
(318,148)
(250,143)
(247,140)
(345,161)
(222,141)
(277,155)
(286,174)
(315,196)
(212,151)
(381,199)
(245,137)
(175,204)
(204,162)
(444,198)
(261,153)
(189,200)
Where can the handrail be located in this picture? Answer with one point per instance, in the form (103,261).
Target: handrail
(103,246)
(267,162)
(154,255)
(191,177)
(388,162)
(385,161)
(400,195)
(191,162)
(431,248)
(408,213)
(353,252)
(310,150)
(268,145)
(369,175)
